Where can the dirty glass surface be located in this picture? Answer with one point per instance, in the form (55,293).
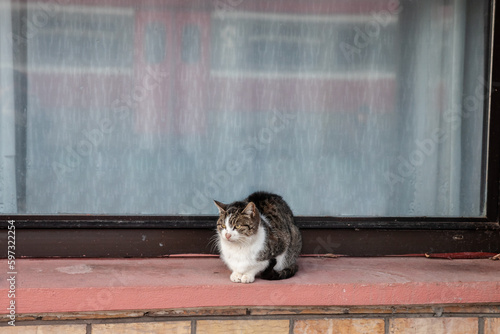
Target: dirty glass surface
(345,108)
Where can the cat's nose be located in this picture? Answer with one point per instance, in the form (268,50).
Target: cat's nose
(228,236)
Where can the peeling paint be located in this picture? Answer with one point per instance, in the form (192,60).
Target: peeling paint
(76,269)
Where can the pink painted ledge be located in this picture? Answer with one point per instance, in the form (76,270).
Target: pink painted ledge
(76,285)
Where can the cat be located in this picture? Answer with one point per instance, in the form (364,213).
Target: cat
(258,235)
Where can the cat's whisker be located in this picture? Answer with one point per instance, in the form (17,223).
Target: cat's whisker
(214,243)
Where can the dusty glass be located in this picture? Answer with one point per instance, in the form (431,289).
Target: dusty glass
(357,108)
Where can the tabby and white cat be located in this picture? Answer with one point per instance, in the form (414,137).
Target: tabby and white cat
(258,235)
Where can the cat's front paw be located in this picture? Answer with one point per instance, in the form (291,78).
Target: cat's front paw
(241,278)
(235,277)
(247,279)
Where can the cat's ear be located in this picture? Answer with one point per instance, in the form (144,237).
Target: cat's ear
(221,206)
(250,209)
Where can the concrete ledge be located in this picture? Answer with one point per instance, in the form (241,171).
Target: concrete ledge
(82,285)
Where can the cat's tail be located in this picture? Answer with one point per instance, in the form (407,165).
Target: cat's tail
(270,274)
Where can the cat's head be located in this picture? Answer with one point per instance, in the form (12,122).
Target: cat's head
(238,221)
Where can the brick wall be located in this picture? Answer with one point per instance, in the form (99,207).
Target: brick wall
(455,319)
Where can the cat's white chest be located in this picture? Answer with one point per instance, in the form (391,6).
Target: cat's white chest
(241,257)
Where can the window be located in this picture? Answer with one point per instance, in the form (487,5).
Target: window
(290,44)
(366,116)
(155,42)
(191,44)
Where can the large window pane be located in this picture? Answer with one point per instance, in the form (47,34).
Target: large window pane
(358,108)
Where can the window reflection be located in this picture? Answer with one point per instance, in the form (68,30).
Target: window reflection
(360,108)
